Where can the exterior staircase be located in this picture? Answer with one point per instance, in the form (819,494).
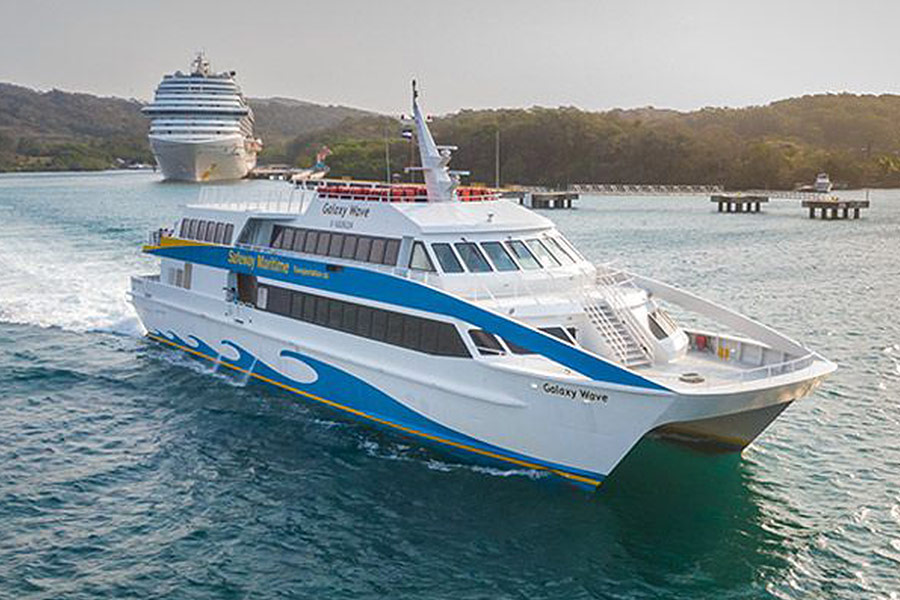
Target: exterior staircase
(628,350)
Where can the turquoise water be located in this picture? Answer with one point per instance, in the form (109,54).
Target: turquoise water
(128,470)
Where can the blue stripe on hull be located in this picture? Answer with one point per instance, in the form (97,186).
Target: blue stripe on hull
(364,401)
(381,287)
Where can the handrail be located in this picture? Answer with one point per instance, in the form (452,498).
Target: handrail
(611,283)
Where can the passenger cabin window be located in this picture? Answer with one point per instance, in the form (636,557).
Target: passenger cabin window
(378,250)
(447,259)
(472,256)
(398,329)
(216,232)
(543,255)
(486,343)
(523,255)
(558,332)
(419,259)
(499,256)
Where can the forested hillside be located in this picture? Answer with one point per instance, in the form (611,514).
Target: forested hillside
(854,138)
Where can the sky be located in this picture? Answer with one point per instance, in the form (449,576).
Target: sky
(595,55)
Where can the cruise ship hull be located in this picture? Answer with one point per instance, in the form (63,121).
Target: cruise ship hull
(219,159)
(503,417)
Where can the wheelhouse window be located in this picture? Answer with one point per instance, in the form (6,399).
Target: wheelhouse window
(472,256)
(447,259)
(559,251)
(523,255)
(419,259)
(543,255)
(499,256)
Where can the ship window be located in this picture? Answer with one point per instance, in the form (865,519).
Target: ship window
(376,254)
(299,240)
(312,238)
(379,324)
(184,228)
(543,255)
(449,342)
(517,349)
(364,321)
(419,258)
(201,231)
(220,233)
(395,328)
(349,322)
(322,311)
(309,308)
(279,301)
(337,243)
(448,260)
(429,337)
(211,232)
(391,250)
(363,247)
(557,332)
(559,250)
(349,250)
(324,243)
(412,332)
(297,306)
(229,233)
(523,255)
(472,256)
(287,241)
(566,243)
(335,314)
(499,256)
(486,343)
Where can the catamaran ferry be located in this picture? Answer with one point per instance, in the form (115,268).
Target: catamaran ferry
(464,320)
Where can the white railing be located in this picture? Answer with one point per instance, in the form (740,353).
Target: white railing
(279,199)
(612,282)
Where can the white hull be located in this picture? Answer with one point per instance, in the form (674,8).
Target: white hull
(509,415)
(217,159)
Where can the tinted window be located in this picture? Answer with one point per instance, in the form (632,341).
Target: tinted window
(362,248)
(472,256)
(445,256)
(395,328)
(324,243)
(322,311)
(517,349)
(277,236)
(220,233)
(418,259)
(312,238)
(349,250)
(193,224)
(297,306)
(523,255)
(559,251)
(309,308)
(210,232)
(184,227)
(429,336)
(287,242)
(349,322)
(391,250)
(557,332)
(486,343)
(412,331)
(376,254)
(299,240)
(229,232)
(543,255)
(499,256)
(364,321)
(279,300)
(335,314)
(337,244)
(379,324)
(201,231)
(449,342)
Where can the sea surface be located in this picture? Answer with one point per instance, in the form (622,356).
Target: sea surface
(128,470)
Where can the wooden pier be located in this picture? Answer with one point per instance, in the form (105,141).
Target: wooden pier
(739,203)
(834,208)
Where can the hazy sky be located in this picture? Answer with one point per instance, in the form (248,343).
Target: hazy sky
(466,54)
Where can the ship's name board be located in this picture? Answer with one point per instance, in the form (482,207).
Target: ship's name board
(343,211)
(573,393)
(268,263)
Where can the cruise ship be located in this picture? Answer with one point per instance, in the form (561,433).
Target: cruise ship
(201,126)
(461,319)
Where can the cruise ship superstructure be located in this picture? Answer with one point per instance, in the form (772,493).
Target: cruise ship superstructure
(201,126)
(463,320)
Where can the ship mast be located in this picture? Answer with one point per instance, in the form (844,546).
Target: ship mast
(439,180)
